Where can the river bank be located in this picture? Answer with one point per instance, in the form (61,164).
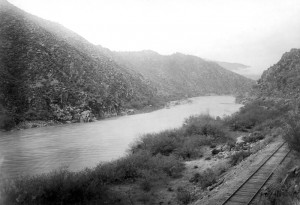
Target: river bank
(87,118)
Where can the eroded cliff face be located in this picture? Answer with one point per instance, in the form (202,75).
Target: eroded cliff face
(49,72)
(282,80)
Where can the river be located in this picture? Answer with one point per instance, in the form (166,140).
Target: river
(39,150)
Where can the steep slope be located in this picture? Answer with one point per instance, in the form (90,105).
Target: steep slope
(183,75)
(282,80)
(49,72)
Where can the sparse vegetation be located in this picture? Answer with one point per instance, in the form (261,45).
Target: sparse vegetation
(185,142)
(256,113)
(91,185)
(58,187)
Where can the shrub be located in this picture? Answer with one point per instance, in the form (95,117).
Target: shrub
(238,157)
(59,187)
(204,179)
(190,148)
(256,113)
(148,180)
(92,185)
(292,135)
(161,143)
(133,167)
(205,125)
(185,142)
(183,195)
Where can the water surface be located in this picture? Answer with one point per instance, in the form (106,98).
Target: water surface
(77,145)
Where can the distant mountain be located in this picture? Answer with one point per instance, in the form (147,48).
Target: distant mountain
(232,66)
(50,72)
(282,80)
(182,75)
(239,68)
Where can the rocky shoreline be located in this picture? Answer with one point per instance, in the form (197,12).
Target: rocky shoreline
(85,117)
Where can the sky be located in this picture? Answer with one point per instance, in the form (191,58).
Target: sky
(251,32)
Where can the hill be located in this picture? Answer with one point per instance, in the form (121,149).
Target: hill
(183,75)
(49,72)
(282,80)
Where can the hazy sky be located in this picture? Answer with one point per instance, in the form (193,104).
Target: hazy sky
(252,32)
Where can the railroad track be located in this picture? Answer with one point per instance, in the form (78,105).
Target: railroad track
(247,192)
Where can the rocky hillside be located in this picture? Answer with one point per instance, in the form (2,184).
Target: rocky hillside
(49,72)
(183,75)
(282,80)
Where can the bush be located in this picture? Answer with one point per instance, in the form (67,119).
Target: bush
(92,185)
(190,148)
(183,195)
(237,157)
(204,179)
(133,166)
(187,141)
(256,113)
(292,131)
(163,143)
(59,187)
(207,126)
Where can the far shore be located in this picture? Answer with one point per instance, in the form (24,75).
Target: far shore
(40,123)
